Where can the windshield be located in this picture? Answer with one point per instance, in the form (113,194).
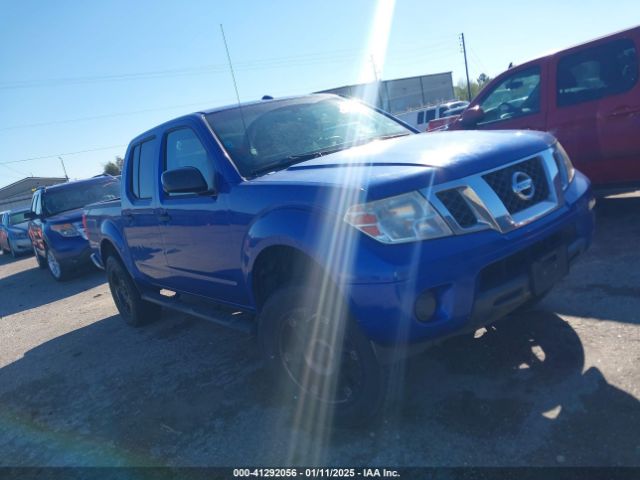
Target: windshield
(62,200)
(281,133)
(17,217)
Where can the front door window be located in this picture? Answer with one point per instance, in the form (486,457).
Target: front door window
(516,96)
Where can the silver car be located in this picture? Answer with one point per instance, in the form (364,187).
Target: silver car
(13,232)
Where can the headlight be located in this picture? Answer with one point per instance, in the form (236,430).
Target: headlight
(405,218)
(66,230)
(567,171)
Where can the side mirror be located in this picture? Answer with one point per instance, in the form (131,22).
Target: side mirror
(471,116)
(184,180)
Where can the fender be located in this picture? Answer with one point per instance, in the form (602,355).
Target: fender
(110,233)
(324,237)
(293,226)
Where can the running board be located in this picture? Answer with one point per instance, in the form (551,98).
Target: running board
(222,315)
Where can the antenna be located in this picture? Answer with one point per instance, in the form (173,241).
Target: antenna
(64,168)
(233,76)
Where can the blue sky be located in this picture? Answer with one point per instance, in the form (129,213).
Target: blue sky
(79,75)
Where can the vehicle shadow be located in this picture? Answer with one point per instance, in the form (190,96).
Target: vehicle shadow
(185,392)
(515,396)
(522,389)
(17,289)
(605,284)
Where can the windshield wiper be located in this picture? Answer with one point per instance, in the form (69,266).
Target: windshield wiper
(317,153)
(395,135)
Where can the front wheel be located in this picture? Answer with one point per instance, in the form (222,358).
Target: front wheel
(42,263)
(133,309)
(56,269)
(320,355)
(13,251)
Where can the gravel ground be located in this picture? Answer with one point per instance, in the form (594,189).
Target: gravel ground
(557,386)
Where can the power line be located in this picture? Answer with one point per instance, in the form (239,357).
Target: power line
(107,115)
(477,59)
(264,64)
(54,155)
(443,47)
(397,60)
(16,171)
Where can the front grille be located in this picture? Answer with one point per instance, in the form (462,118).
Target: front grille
(501,183)
(458,208)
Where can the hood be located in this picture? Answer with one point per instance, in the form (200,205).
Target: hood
(387,167)
(69,216)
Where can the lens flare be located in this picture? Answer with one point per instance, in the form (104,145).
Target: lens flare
(326,342)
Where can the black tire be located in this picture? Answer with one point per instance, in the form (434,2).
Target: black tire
(344,381)
(42,263)
(133,309)
(58,271)
(14,254)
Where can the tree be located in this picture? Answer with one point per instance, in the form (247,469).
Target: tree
(483,79)
(115,167)
(460,90)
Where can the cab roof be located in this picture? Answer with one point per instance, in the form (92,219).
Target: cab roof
(75,183)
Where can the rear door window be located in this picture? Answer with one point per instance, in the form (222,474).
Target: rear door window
(597,72)
(142,170)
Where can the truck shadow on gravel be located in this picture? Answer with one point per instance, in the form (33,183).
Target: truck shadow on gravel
(35,287)
(184,392)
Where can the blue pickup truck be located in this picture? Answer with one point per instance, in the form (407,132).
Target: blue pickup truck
(338,234)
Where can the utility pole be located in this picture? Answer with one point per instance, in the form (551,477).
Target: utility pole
(376,80)
(64,168)
(466,66)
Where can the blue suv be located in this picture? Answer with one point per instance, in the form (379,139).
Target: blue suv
(56,229)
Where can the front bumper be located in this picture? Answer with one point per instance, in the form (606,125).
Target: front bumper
(475,278)
(71,252)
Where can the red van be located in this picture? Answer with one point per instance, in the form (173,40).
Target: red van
(588,96)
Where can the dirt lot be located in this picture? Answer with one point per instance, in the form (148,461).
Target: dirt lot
(558,386)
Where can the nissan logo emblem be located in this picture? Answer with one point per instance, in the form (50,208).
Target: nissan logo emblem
(522,185)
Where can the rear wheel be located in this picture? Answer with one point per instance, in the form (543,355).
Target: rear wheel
(42,263)
(321,356)
(133,309)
